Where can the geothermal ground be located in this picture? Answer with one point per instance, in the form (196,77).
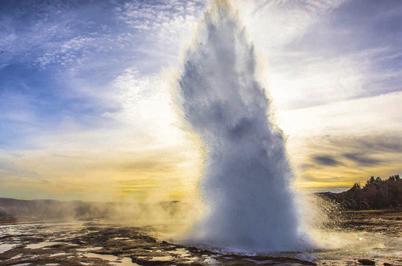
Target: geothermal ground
(378,235)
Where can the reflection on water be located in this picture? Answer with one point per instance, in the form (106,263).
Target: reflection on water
(42,244)
(5,247)
(89,249)
(114,260)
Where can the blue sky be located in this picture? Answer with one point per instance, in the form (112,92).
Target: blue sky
(58,59)
(94,78)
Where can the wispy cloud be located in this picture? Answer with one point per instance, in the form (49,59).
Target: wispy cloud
(345,159)
(362,159)
(320,52)
(91,76)
(326,160)
(62,67)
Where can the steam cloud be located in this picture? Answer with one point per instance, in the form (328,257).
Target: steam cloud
(247,174)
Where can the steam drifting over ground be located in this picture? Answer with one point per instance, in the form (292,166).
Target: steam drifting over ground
(246,180)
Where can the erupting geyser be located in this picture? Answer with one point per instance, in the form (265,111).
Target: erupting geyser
(246,184)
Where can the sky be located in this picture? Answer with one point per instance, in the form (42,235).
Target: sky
(87,94)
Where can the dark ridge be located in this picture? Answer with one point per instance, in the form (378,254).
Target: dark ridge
(374,195)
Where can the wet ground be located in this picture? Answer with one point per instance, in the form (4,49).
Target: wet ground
(372,238)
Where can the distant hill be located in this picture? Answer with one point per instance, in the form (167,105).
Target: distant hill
(375,194)
(12,210)
(15,210)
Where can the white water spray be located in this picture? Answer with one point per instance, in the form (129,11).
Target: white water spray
(247,174)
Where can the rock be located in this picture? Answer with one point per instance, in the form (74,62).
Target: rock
(366,262)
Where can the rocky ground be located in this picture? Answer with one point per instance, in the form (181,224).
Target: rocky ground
(105,244)
(96,244)
(372,237)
